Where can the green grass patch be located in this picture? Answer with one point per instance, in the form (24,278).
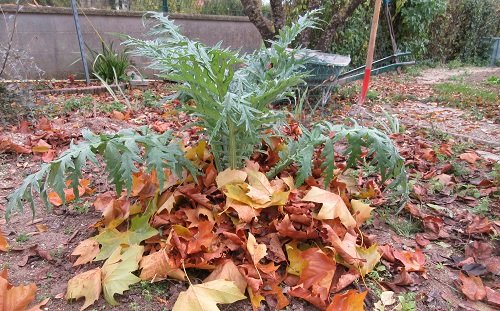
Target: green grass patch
(463,95)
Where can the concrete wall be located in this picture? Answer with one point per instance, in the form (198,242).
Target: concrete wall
(49,36)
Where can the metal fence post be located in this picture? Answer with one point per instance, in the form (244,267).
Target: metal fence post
(164,6)
(80,41)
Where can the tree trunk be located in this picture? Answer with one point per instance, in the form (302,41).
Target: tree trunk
(337,21)
(278,13)
(305,37)
(252,9)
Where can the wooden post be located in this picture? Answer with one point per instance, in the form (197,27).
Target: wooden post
(80,41)
(371,49)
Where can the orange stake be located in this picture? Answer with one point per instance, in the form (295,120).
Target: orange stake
(371,49)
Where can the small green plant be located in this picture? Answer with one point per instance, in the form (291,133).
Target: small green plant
(57,253)
(493,80)
(73,104)
(372,95)
(439,266)
(149,290)
(23,237)
(495,174)
(149,99)
(483,207)
(459,170)
(110,64)
(436,186)
(82,208)
(406,227)
(379,273)
(407,301)
(462,146)
(468,191)
(114,106)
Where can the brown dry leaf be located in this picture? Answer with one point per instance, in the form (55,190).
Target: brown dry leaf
(38,306)
(4,245)
(492,297)
(479,225)
(333,206)
(42,146)
(256,251)
(42,228)
(229,272)
(470,157)
(69,194)
(87,250)
(87,285)
(7,145)
(15,298)
(348,301)
(318,272)
(361,211)
(472,287)
(157,266)
(245,212)
(413,261)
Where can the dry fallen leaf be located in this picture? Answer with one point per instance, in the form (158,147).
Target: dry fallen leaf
(4,245)
(87,285)
(229,272)
(333,206)
(348,301)
(256,251)
(206,296)
(361,211)
(470,157)
(15,298)
(413,261)
(472,287)
(87,250)
(157,267)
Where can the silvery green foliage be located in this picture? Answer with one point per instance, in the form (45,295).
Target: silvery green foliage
(385,156)
(120,152)
(232,91)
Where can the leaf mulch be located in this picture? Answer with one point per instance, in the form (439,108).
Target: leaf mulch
(440,252)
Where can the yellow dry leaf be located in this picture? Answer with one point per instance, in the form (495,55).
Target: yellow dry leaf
(256,251)
(297,263)
(362,211)
(370,257)
(206,296)
(87,250)
(229,272)
(230,176)
(333,206)
(87,285)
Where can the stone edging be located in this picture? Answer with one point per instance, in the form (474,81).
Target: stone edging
(11,8)
(85,90)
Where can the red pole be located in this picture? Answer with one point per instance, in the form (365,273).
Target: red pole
(371,49)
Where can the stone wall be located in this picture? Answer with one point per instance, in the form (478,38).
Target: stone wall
(49,35)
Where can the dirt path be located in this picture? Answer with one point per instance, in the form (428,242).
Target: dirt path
(414,101)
